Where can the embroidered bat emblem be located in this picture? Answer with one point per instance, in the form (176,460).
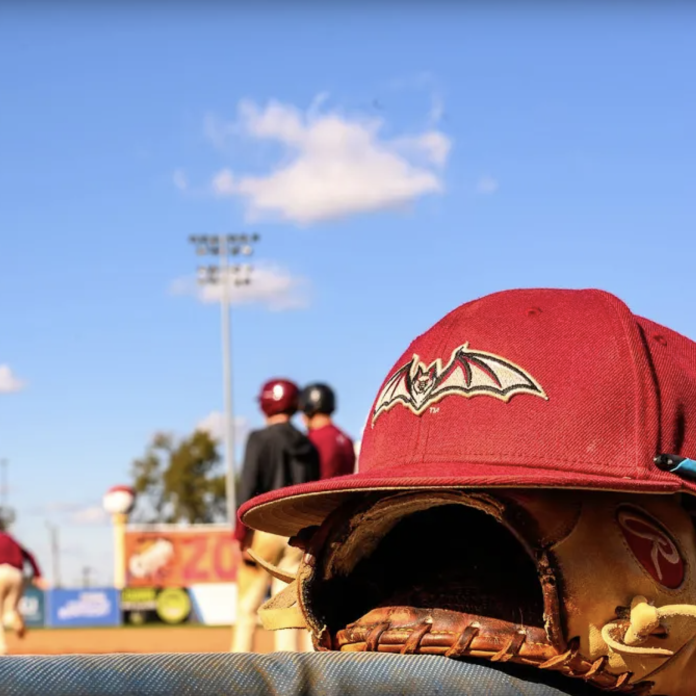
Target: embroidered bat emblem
(468,373)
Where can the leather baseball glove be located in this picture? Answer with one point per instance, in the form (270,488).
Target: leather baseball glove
(596,586)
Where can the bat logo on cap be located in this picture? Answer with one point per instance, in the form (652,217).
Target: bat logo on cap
(468,373)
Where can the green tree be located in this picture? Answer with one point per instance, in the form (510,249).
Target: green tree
(179,481)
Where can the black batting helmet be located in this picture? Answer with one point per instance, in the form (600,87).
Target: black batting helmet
(317,398)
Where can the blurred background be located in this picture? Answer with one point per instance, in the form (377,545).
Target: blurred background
(393,160)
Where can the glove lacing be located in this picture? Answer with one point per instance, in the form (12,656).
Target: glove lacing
(644,621)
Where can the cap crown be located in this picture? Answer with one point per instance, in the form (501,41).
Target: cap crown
(550,380)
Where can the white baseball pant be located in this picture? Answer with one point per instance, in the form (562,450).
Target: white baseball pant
(253,583)
(11,590)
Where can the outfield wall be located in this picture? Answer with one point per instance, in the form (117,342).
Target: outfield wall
(173,575)
(209,604)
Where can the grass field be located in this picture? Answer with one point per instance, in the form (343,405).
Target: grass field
(145,639)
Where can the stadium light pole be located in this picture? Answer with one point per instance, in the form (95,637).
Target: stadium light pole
(224,274)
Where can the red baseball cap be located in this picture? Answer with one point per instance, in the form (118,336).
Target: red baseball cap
(531,388)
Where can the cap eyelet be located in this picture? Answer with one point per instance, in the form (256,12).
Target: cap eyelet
(533,311)
(659,338)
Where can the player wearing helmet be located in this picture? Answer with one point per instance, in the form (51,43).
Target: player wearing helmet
(276,456)
(336,450)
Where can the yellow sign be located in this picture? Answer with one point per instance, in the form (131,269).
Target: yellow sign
(173,605)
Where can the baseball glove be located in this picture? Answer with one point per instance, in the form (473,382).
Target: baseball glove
(596,586)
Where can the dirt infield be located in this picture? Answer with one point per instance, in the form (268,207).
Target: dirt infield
(159,639)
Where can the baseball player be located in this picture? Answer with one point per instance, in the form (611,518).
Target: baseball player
(336,449)
(13,556)
(526,495)
(276,456)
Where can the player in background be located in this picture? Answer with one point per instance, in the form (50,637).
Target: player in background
(276,456)
(13,556)
(336,450)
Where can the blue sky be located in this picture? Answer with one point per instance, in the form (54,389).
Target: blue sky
(514,149)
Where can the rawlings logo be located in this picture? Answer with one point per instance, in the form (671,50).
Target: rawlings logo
(418,386)
(652,547)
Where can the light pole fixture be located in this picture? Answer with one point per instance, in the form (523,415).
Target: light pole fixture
(230,270)
(119,501)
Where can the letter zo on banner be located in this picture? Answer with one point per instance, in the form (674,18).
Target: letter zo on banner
(176,557)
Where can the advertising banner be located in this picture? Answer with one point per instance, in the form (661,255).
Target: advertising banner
(167,556)
(141,605)
(215,604)
(84,607)
(32,607)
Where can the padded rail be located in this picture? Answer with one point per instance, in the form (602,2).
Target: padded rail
(276,674)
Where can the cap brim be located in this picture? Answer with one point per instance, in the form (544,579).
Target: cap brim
(288,510)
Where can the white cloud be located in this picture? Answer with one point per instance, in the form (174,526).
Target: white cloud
(57,507)
(9,382)
(433,145)
(72,513)
(223,183)
(487,185)
(180,179)
(90,515)
(214,423)
(333,165)
(271,286)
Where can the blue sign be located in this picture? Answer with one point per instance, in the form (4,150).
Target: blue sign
(32,607)
(87,607)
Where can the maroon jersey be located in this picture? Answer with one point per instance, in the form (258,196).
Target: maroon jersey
(14,554)
(336,451)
